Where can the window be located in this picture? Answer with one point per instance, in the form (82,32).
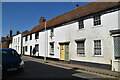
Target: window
(97,20)
(18,39)
(52,33)
(37,47)
(51,48)
(117,47)
(18,48)
(81,24)
(97,47)
(26,48)
(36,35)
(30,36)
(80,47)
(26,38)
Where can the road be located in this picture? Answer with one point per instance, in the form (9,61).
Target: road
(40,71)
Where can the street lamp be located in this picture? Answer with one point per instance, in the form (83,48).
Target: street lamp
(46,42)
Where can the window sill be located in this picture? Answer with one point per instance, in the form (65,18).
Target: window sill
(51,54)
(97,26)
(98,56)
(81,55)
(81,29)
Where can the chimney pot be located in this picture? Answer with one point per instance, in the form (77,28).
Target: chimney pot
(42,19)
(77,5)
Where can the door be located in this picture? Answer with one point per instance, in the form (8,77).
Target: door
(30,50)
(61,52)
(66,52)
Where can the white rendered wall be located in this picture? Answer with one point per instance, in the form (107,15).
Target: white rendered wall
(16,44)
(71,32)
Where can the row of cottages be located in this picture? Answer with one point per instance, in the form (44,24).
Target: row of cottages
(88,35)
(17,41)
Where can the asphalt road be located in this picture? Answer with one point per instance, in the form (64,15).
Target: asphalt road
(40,71)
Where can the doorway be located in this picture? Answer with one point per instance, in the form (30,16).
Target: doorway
(64,52)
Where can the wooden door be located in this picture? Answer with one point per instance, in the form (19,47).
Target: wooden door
(66,52)
(62,52)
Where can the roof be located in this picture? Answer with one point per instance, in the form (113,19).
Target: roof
(26,31)
(76,13)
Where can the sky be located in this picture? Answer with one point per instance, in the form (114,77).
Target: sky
(23,16)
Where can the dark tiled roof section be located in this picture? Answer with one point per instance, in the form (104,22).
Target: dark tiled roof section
(25,32)
(81,11)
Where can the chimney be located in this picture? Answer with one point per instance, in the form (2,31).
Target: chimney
(7,36)
(17,32)
(10,33)
(77,5)
(42,19)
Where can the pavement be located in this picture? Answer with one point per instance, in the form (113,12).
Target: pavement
(78,67)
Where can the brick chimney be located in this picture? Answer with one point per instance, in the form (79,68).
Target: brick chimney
(42,19)
(77,5)
(10,33)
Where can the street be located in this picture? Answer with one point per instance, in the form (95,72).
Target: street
(35,70)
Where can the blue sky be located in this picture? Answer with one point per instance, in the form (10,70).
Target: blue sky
(23,16)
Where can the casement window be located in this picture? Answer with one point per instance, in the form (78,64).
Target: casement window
(37,35)
(26,38)
(37,47)
(81,47)
(52,48)
(97,47)
(30,36)
(117,47)
(81,24)
(52,33)
(97,20)
(26,48)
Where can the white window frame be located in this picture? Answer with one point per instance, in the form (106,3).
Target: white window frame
(52,49)
(82,24)
(94,20)
(77,41)
(101,48)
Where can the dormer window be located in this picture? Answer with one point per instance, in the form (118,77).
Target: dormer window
(97,20)
(81,24)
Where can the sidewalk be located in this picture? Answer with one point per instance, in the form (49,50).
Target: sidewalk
(79,67)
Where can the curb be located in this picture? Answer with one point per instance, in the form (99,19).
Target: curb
(112,74)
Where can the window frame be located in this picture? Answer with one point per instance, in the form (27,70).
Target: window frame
(26,49)
(99,48)
(30,36)
(37,47)
(81,24)
(82,48)
(26,38)
(52,47)
(97,20)
(37,35)
(52,32)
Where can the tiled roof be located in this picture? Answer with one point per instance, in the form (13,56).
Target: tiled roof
(25,32)
(76,13)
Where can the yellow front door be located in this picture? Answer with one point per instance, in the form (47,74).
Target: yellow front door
(62,52)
